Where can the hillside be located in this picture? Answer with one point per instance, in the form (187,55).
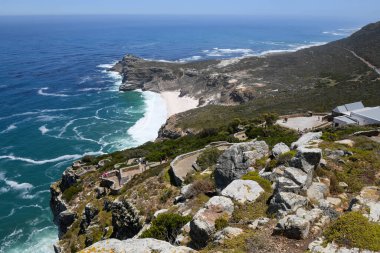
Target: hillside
(316,78)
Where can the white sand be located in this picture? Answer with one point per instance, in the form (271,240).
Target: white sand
(176,104)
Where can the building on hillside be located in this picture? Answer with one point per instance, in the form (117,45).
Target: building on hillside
(356,113)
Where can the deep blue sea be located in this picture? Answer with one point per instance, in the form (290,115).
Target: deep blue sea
(58,102)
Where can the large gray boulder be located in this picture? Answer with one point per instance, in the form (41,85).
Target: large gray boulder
(279,149)
(135,246)
(202,226)
(284,202)
(236,160)
(243,190)
(306,139)
(292,180)
(307,159)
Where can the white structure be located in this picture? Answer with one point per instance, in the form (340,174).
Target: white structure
(356,113)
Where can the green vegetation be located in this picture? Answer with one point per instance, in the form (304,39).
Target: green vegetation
(272,134)
(353,230)
(357,170)
(71,192)
(248,212)
(286,157)
(208,158)
(221,223)
(166,227)
(202,186)
(264,183)
(334,134)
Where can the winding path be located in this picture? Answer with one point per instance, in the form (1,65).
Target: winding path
(377,70)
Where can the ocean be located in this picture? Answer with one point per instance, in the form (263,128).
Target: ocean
(58,102)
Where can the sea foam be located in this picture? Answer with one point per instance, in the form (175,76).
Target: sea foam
(146,128)
(43,93)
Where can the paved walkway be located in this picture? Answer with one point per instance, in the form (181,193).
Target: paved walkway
(301,123)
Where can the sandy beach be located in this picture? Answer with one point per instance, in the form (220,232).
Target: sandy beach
(176,104)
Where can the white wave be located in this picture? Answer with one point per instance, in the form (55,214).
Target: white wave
(9,128)
(192,58)
(13,211)
(107,66)
(84,79)
(57,159)
(146,128)
(10,239)
(342,31)
(46,118)
(222,52)
(63,109)
(91,89)
(40,240)
(43,129)
(43,93)
(294,48)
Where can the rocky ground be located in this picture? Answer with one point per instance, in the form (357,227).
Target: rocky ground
(255,198)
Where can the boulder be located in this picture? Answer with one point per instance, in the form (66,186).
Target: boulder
(306,139)
(317,191)
(279,149)
(368,202)
(284,184)
(298,176)
(283,202)
(227,233)
(202,226)
(65,219)
(307,160)
(236,161)
(68,179)
(293,227)
(243,190)
(135,246)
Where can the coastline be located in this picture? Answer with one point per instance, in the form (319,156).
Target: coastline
(158,108)
(176,104)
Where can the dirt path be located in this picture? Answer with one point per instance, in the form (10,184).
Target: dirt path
(183,167)
(377,70)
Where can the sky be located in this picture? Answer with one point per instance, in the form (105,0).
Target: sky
(366,9)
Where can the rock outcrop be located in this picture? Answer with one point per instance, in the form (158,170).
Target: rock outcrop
(125,220)
(306,139)
(202,226)
(236,161)
(279,149)
(135,246)
(243,190)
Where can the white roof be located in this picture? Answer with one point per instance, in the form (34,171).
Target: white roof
(369,112)
(349,107)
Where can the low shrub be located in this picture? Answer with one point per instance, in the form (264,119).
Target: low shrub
(71,192)
(200,186)
(221,223)
(208,158)
(264,183)
(166,194)
(286,157)
(272,134)
(353,230)
(166,227)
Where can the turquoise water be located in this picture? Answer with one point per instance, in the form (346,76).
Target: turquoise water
(58,102)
